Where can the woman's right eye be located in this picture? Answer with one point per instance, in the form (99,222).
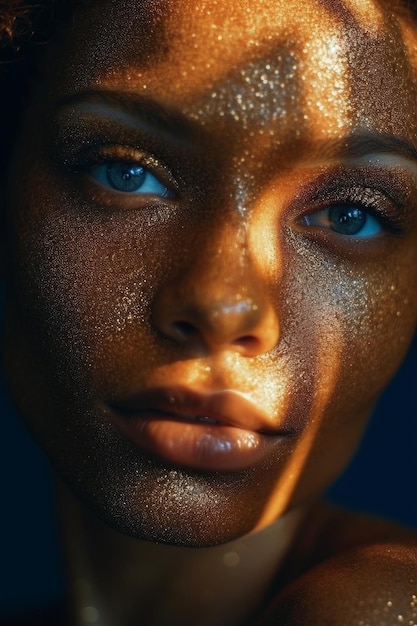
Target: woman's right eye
(129,178)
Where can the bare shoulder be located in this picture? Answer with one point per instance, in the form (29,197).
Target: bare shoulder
(367,576)
(368,586)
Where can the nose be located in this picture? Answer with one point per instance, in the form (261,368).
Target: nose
(218,301)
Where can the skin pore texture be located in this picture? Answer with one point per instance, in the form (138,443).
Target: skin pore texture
(225,276)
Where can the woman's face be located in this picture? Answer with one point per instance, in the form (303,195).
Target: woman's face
(213,253)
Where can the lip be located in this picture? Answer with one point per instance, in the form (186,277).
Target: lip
(220,431)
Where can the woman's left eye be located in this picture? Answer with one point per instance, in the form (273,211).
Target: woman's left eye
(346,219)
(129,178)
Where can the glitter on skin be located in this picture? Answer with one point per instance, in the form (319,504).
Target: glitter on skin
(297,466)
(241,166)
(267,103)
(368,14)
(238,226)
(259,83)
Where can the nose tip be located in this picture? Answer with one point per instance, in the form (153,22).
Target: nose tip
(205,323)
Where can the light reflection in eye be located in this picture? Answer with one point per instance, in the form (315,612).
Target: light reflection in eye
(346,219)
(129,178)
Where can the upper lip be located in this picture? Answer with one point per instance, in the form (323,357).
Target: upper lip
(225,407)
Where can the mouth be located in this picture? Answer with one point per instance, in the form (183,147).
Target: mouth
(218,431)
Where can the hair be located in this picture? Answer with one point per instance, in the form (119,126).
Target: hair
(20,23)
(14,21)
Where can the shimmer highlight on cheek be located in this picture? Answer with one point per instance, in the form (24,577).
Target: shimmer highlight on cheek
(324,388)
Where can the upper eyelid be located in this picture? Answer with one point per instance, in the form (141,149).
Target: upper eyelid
(394,182)
(113,154)
(83,129)
(357,191)
(370,193)
(376,204)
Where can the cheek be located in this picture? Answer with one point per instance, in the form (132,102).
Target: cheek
(84,282)
(354,322)
(345,328)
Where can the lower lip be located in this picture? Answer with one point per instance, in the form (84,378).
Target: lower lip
(196,445)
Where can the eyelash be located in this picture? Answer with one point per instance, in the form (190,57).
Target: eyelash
(89,161)
(372,202)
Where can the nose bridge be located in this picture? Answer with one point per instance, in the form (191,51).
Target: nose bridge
(223,258)
(219,300)
(224,276)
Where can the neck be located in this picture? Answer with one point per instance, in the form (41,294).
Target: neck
(119,580)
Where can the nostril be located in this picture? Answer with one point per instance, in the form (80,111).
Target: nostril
(248,342)
(204,323)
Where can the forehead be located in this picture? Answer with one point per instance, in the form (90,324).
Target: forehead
(325,64)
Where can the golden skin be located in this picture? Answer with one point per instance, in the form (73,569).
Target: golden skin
(299,319)
(308,323)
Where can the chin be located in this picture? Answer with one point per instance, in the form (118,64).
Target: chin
(145,499)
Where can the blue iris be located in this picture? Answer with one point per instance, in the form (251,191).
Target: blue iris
(346,219)
(129,178)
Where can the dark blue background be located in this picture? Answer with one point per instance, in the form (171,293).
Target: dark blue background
(381,479)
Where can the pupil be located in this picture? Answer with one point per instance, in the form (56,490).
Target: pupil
(346,220)
(124,177)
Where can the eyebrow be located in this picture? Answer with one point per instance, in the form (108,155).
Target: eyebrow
(178,127)
(145,110)
(365,143)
